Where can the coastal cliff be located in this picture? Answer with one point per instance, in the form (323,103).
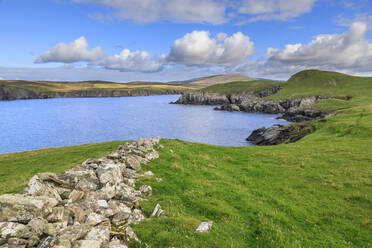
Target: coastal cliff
(210,98)
(292,109)
(13,93)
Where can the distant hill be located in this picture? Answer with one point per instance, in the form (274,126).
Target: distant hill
(215,79)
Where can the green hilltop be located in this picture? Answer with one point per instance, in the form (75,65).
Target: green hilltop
(316,192)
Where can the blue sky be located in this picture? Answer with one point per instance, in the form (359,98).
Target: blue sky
(125,40)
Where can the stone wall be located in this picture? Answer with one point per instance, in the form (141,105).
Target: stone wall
(80,207)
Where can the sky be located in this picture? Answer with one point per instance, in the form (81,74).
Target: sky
(167,40)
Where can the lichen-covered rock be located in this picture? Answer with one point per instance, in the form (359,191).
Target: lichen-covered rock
(132,163)
(87,244)
(37,187)
(11,230)
(94,219)
(12,205)
(146,190)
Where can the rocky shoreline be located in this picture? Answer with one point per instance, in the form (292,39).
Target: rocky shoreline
(12,93)
(80,207)
(293,110)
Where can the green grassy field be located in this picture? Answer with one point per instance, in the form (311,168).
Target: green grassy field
(316,192)
(238,87)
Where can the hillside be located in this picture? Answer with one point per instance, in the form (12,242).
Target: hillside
(242,86)
(212,80)
(20,89)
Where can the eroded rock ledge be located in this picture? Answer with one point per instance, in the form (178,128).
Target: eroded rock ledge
(80,207)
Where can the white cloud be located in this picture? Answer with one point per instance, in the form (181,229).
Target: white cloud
(144,11)
(74,52)
(201,11)
(199,49)
(348,52)
(349,49)
(265,10)
(133,61)
(1,78)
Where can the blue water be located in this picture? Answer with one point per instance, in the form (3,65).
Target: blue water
(34,124)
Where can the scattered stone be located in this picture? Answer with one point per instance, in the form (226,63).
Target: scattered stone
(149,173)
(146,190)
(158,179)
(158,212)
(204,227)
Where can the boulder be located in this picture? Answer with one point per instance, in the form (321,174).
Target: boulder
(204,227)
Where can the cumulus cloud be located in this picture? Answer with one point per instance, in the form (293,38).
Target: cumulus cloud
(76,51)
(349,49)
(264,10)
(349,52)
(199,49)
(144,11)
(133,61)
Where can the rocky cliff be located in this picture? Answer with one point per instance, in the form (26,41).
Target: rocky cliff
(82,207)
(208,98)
(13,93)
(295,110)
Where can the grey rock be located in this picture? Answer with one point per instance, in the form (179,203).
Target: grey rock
(47,242)
(16,204)
(158,212)
(204,227)
(132,163)
(146,190)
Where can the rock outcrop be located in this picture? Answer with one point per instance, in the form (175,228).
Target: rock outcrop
(295,110)
(12,93)
(278,134)
(207,98)
(80,207)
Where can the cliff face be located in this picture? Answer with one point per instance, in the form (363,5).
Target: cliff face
(207,98)
(12,93)
(292,110)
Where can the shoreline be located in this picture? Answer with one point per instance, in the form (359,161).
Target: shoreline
(292,110)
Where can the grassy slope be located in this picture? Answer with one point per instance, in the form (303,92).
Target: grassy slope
(238,87)
(44,86)
(313,193)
